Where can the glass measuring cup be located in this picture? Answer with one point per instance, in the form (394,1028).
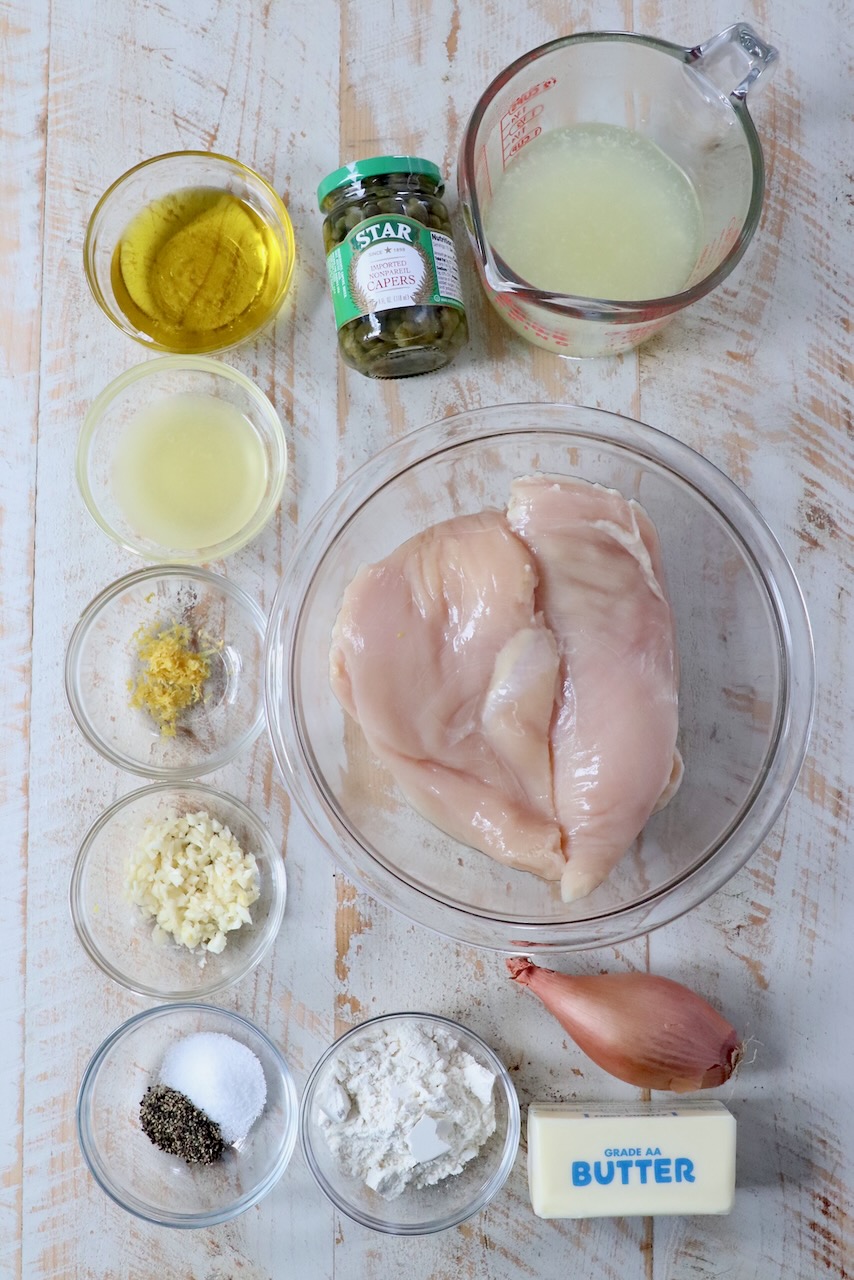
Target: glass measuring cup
(690,102)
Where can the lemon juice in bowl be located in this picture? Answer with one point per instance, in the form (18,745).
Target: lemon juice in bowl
(190,471)
(182,459)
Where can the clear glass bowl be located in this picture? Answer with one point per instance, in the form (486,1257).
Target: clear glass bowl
(113,418)
(161,176)
(416,1211)
(140,1177)
(747,682)
(102,662)
(118,937)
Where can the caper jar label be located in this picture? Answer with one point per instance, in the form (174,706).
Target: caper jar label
(392,262)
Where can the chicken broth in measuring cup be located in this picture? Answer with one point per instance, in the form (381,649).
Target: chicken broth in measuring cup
(609,179)
(598,211)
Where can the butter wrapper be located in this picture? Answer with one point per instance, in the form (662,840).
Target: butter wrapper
(596,1160)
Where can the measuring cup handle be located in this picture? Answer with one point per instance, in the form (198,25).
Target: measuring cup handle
(737,51)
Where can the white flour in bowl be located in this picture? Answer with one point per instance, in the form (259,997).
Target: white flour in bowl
(404,1105)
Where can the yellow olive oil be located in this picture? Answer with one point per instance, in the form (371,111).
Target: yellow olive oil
(190,472)
(598,211)
(197,270)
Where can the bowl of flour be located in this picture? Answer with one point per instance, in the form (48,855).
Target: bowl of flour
(409,1123)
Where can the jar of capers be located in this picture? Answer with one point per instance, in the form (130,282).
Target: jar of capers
(392,266)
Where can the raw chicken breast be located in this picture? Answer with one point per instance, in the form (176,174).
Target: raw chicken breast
(440,655)
(614,731)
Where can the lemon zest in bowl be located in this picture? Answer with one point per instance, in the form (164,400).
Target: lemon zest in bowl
(174,671)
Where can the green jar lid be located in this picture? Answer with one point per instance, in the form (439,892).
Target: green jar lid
(373,167)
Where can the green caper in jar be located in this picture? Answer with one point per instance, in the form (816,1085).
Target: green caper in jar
(392,267)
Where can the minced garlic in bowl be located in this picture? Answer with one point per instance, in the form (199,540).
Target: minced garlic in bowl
(190,875)
(165,877)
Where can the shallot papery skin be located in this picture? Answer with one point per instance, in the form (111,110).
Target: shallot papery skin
(649,1031)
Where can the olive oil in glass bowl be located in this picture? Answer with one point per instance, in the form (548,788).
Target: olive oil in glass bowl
(190,252)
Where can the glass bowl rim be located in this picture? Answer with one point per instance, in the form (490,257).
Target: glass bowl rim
(183,773)
(783,596)
(271,928)
(491,1186)
(244,171)
(217,369)
(134,1204)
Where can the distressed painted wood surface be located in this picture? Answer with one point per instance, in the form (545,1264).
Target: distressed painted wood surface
(757,377)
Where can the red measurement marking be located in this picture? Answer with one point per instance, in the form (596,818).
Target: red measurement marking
(718,249)
(517,124)
(523,319)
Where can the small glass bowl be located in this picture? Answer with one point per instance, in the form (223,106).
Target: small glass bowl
(445,1204)
(140,1177)
(101,663)
(115,413)
(118,937)
(162,176)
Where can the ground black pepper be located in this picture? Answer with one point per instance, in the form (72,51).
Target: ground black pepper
(178,1127)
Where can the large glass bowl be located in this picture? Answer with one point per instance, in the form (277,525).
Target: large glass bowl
(136,1174)
(747,678)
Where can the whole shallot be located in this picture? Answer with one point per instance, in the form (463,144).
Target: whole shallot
(649,1031)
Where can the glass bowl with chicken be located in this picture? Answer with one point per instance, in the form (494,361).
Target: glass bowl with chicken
(540,677)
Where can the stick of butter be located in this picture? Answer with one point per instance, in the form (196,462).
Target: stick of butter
(609,1160)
